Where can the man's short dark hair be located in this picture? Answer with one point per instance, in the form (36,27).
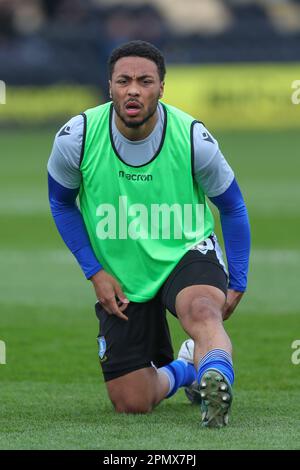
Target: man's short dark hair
(138,49)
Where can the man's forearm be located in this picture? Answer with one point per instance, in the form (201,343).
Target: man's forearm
(236,234)
(71,227)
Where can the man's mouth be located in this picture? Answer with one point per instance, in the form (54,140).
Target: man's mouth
(132,108)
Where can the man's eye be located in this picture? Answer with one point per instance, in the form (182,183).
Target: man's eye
(121,81)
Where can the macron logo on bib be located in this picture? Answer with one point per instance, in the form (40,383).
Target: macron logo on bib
(135,177)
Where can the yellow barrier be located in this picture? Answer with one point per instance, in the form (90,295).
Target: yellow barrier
(236,96)
(223,96)
(40,105)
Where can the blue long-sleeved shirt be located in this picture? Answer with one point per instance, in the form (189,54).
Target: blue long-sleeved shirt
(70,224)
(236,234)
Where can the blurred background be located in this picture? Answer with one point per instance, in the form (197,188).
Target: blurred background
(49,41)
(58,43)
(232,64)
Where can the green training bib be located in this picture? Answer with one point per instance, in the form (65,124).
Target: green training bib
(141,220)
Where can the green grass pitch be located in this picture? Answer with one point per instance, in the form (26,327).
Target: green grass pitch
(52,395)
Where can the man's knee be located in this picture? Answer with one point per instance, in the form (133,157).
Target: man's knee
(203,310)
(200,304)
(134,392)
(129,406)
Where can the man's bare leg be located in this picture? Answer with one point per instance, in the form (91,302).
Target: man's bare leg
(199,309)
(139,391)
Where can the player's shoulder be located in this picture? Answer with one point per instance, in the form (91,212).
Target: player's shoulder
(203,135)
(69,137)
(177,113)
(198,127)
(205,146)
(72,127)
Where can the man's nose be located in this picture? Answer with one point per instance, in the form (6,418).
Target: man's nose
(133,89)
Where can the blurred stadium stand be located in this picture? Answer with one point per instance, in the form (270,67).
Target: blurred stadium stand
(50,41)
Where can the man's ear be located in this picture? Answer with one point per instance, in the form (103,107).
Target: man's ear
(161,90)
(109,84)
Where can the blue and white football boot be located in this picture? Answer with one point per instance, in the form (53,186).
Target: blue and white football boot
(214,393)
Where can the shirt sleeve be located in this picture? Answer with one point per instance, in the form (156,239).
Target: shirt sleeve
(211,171)
(64,161)
(236,234)
(71,227)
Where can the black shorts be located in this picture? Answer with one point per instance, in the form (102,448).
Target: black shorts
(144,340)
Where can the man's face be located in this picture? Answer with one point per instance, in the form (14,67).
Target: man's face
(135,88)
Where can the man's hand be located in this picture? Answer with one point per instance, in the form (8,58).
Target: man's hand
(233,298)
(107,289)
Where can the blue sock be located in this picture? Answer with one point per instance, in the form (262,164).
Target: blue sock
(217,359)
(180,373)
